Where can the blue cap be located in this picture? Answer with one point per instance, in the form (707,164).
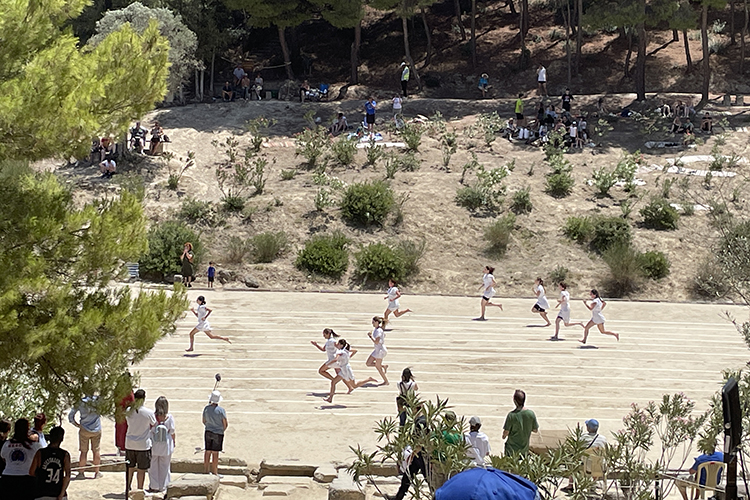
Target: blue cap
(592,423)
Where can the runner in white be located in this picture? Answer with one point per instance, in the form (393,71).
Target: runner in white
(541,304)
(597,318)
(345,373)
(488,291)
(330,349)
(392,297)
(203,326)
(564,315)
(379,352)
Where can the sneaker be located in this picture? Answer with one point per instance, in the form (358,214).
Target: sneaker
(80,475)
(98,475)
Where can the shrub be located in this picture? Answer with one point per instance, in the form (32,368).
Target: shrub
(165,244)
(257,174)
(267,246)
(448,145)
(489,125)
(194,211)
(559,185)
(497,234)
(412,134)
(237,249)
(233,203)
(323,200)
(710,281)
(367,203)
(655,264)
(344,150)
(604,180)
(521,202)
(392,165)
(625,269)
(373,152)
(381,262)
(659,214)
(411,253)
(326,255)
(559,275)
(486,192)
(257,128)
(609,231)
(408,162)
(311,144)
(470,198)
(579,229)
(288,175)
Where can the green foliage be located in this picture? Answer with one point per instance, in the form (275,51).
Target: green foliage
(311,144)
(233,203)
(489,124)
(235,174)
(411,253)
(412,135)
(67,331)
(326,255)
(710,281)
(367,203)
(609,231)
(579,229)
(559,182)
(625,271)
(182,42)
(392,164)
(626,169)
(198,212)
(97,91)
(408,162)
(258,174)
(659,214)
(655,264)
(373,152)
(379,262)
(237,250)
(266,247)
(323,199)
(559,275)
(521,201)
(559,185)
(258,128)
(175,174)
(604,179)
(133,183)
(165,245)
(498,233)
(288,175)
(344,150)
(486,192)
(448,146)
(470,166)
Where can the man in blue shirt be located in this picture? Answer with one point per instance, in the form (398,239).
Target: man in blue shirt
(370,114)
(89,433)
(215,421)
(716,456)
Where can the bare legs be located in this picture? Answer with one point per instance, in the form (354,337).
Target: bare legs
(543,314)
(208,333)
(140,477)
(486,303)
(601,329)
(351,384)
(557,327)
(378,364)
(211,462)
(323,370)
(397,313)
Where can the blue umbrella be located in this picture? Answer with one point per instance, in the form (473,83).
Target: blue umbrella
(486,484)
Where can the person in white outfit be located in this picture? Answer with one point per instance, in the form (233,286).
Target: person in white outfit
(597,318)
(392,297)
(541,305)
(564,315)
(345,372)
(379,351)
(203,326)
(488,291)
(330,349)
(162,447)
(477,443)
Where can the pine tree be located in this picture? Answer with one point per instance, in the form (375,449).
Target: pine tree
(344,14)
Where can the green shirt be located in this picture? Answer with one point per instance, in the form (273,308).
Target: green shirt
(519,106)
(519,423)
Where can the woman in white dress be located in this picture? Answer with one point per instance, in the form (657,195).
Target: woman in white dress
(564,315)
(345,373)
(203,326)
(379,351)
(597,318)
(541,305)
(163,439)
(330,349)
(488,291)
(392,297)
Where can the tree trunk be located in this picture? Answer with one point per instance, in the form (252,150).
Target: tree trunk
(354,80)
(706,59)
(675,36)
(474,33)
(429,38)
(629,53)
(407,53)
(742,38)
(213,76)
(509,3)
(457,4)
(567,40)
(732,40)
(524,18)
(203,87)
(579,36)
(285,51)
(640,62)
(197,85)
(688,59)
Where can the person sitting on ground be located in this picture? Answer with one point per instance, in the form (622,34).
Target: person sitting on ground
(245,87)
(339,125)
(157,135)
(519,424)
(707,124)
(138,138)
(477,443)
(676,125)
(682,481)
(540,112)
(484,84)
(258,86)
(239,73)
(510,129)
(227,92)
(688,127)
(550,116)
(601,109)
(664,109)
(303,90)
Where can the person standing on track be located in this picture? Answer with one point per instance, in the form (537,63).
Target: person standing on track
(564,315)
(392,297)
(407,389)
(330,349)
(379,352)
(51,467)
(597,318)
(488,291)
(346,374)
(203,326)
(541,305)
(215,422)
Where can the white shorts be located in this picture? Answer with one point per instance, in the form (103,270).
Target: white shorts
(346,373)
(203,326)
(488,294)
(598,319)
(379,352)
(393,305)
(565,315)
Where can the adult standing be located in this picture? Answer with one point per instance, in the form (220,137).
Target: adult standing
(159,474)
(157,133)
(370,106)
(477,443)
(188,275)
(18,453)
(519,424)
(4,431)
(215,422)
(405,74)
(541,80)
(519,110)
(37,432)
(51,467)
(138,439)
(121,423)
(89,434)
(567,98)
(239,74)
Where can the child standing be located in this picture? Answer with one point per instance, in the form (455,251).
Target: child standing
(392,297)
(211,274)
(203,326)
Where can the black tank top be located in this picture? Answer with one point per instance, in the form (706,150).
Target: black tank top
(49,475)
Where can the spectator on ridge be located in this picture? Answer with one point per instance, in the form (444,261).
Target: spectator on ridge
(541,79)
(227,92)
(484,84)
(89,434)
(239,74)
(245,87)
(4,431)
(405,74)
(519,424)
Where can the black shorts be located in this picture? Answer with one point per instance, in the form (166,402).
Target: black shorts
(566,106)
(213,441)
(370,119)
(538,309)
(210,279)
(138,459)
(486,298)
(519,116)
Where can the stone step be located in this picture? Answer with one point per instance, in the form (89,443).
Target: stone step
(194,484)
(296,481)
(286,467)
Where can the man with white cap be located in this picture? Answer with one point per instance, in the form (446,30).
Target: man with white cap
(477,443)
(215,421)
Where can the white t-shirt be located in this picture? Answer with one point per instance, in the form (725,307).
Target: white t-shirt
(565,299)
(392,293)
(597,310)
(487,280)
(396,104)
(542,74)
(541,299)
(344,356)
(331,349)
(379,336)
(573,131)
(139,429)
(478,447)
(18,458)
(202,313)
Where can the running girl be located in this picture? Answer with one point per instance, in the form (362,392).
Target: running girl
(345,373)
(488,291)
(407,389)
(392,297)
(202,314)
(597,318)
(378,353)
(564,315)
(541,305)
(330,349)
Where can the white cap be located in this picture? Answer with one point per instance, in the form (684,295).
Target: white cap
(475,421)
(215,397)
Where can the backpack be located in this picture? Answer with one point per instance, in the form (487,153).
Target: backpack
(161,433)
